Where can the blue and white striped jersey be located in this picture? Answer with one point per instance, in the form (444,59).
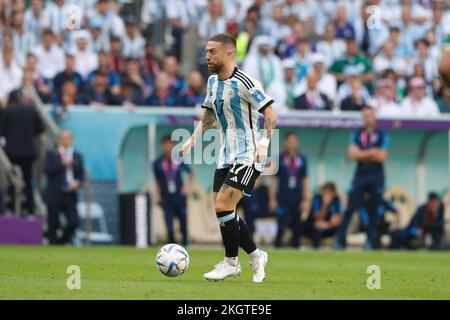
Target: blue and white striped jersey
(236,102)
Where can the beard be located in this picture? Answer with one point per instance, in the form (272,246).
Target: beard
(215,68)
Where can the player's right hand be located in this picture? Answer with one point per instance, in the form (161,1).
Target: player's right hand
(186,147)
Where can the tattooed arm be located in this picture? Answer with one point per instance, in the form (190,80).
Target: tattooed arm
(209,120)
(270,121)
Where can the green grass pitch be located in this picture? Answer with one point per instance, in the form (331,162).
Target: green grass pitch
(129,273)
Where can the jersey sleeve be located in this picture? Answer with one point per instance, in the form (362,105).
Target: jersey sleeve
(255,95)
(207,103)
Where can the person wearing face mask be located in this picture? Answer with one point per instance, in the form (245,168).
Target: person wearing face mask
(65,174)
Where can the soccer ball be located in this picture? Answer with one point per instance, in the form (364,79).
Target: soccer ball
(172,260)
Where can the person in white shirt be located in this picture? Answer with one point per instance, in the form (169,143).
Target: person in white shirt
(327,82)
(23,41)
(387,60)
(331,47)
(133,42)
(10,75)
(51,58)
(383,101)
(423,58)
(262,63)
(290,83)
(86,60)
(276,26)
(34,19)
(55,18)
(417,103)
(100,41)
(213,21)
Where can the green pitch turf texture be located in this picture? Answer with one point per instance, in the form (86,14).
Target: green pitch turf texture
(129,273)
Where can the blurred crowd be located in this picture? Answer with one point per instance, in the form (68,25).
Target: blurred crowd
(310,55)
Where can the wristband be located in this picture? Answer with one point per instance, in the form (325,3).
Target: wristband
(264,142)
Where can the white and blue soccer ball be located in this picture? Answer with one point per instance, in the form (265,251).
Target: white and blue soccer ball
(172,260)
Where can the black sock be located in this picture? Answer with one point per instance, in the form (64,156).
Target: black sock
(229,227)
(245,238)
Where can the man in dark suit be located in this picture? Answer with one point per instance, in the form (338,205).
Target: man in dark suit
(312,99)
(20,125)
(65,173)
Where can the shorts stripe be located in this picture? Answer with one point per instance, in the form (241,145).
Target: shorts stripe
(245,175)
(249,175)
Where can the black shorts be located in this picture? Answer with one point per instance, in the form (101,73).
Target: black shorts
(239,176)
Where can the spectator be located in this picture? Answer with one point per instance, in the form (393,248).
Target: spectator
(112,25)
(329,46)
(243,39)
(370,33)
(69,97)
(113,77)
(401,49)
(20,126)
(100,41)
(262,62)
(65,173)
(354,63)
(133,42)
(213,21)
(427,225)
(275,27)
(182,15)
(50,57)
(325,215)
(10,75)
(417,103)
(444,101)
(163,96)
(344,28)
(323,10)
(312,99)
(195,94)
(116,60)
(99,94)
(387,60)
(355,101)
(133,76)
(423,58)
(130,98)
(177,82)
(409,30)
(151,65)
(55,19)
(352,90)
(34,19)
(288,46)
(23,40)
(383,101)
(290,83)
(171,191)
(86,60)
(368,146)
(69,74)
(302,58)
(327,82)
(290,199)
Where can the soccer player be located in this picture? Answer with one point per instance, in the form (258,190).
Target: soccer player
(232,102)
(368,146)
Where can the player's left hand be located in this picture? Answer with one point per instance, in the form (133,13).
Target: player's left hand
(261,154)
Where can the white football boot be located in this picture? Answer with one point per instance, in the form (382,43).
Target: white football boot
(258,267)
(223,270)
